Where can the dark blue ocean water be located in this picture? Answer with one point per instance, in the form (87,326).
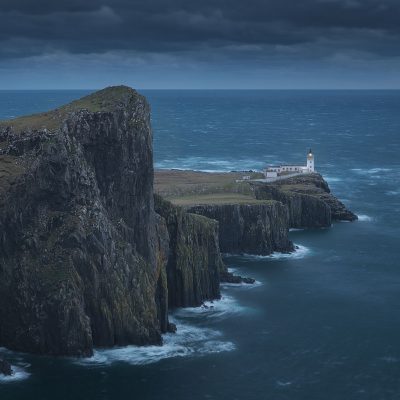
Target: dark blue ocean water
(323,323)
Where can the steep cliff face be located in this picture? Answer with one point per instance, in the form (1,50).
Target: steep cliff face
(78,244)
(260,228)
(304,211)
(194,264)
(309,200)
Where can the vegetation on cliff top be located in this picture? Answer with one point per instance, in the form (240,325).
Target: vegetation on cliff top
(193,187)
(106,100)
(217,199)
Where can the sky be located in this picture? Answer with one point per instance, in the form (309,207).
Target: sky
(202,44)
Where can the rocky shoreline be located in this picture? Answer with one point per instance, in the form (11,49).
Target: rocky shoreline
(91,256)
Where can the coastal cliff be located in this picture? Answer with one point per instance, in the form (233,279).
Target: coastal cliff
(85,260)
(78,243)
(89,256)
(260,228)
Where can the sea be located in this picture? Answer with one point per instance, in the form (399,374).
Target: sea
(322,323)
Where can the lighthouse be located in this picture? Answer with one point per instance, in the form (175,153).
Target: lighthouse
(310,161)
(284,171)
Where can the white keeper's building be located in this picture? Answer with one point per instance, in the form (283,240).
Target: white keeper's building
(279,170)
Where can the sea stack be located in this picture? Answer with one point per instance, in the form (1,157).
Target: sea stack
(5,368)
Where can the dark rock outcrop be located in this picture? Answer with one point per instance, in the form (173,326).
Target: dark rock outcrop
(228,277)
(260,228)
(5,368)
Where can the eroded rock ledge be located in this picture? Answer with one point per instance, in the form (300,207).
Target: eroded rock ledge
(309,201)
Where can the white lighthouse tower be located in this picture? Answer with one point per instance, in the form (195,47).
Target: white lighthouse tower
(310,161)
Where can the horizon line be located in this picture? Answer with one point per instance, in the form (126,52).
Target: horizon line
(209,89)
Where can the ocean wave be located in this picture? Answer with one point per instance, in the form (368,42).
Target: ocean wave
(283,383)
(205,164)
(330,179)
(300,252)
(368,171)
(241,285)
(17,365)
(364,218)
(18,375)
(222,308)
(214,346)
(187,341)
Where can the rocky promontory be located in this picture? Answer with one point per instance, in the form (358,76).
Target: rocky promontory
(91,256)
(254,216)
(308,199)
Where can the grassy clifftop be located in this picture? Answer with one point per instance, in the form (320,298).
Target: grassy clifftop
(187,188)
(106,100)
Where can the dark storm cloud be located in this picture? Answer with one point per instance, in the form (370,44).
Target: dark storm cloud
(161,26)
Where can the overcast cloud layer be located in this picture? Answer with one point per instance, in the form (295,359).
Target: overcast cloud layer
(195,44)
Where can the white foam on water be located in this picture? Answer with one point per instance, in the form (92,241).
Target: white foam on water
(187,341)
(364,218)
(241,285)
(332,179)
(215,346)
(299,252)
(296,229)
(369,171)
(222,308)
(18,367)
(205,164)
(19,374)
(283,384)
